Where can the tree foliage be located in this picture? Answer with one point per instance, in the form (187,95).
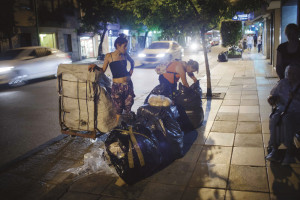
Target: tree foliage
(231,32)
(186,16)
(97,14)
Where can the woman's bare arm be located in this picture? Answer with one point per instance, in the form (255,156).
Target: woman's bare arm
(131,63)
(93,67)
(192,76)
(106,62)
(182,74)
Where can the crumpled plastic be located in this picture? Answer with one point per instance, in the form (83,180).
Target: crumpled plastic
(95,161)
(159,100)
(161,89)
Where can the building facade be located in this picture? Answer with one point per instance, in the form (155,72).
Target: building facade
(274,18)
(49,23)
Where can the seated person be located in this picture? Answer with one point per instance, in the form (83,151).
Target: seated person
(284,123)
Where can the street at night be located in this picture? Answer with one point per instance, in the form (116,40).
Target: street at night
(29,114)
(149,100)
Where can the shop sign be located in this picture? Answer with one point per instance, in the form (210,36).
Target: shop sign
(241,16)
(113,33)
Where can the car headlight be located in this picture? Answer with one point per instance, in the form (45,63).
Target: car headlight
(6,69)
(160,55)
(194,46)
(142,55)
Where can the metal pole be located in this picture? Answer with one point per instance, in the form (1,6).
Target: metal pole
(36,22)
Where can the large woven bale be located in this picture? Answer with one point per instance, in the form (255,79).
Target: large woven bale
(85,102)
(78,114)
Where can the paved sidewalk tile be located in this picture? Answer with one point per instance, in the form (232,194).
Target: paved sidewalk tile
(93,184)
(248,140)
(284,196)
(232,97)
(233,102)
(210,175)
(253,156)
(222,139)
(160,191)
(126,192)
(247,178)
(249,102)
(248,127)
(238,195)
(249,117)
(215,155)
(78,195)
(229,109)
(278,175)
(203,194)
(227,116)
(178,173)
(249,109)
(224,126)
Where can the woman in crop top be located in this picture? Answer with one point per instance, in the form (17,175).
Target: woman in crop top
(177,70)
(122,89)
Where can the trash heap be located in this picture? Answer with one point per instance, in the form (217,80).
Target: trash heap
(138,149)
(155,139)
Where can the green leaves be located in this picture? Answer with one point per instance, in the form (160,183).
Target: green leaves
(231,32)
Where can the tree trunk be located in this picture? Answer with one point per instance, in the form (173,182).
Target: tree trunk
(100,49)
(145,39)
(209,92)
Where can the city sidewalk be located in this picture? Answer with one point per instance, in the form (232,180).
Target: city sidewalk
(225,159)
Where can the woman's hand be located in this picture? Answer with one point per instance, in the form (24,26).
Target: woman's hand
(130,72)
(272,100)
(93,67)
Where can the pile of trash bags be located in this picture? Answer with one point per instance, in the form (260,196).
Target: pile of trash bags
(139,147)
(155,139)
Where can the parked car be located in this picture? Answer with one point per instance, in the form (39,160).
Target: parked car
(22,64)
(161,51)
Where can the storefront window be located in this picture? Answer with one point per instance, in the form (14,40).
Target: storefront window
(48,40)
(87,49)
(111,42)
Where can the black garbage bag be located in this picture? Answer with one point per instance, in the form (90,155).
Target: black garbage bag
(134,152)
(162,122)
(190,100)
(223,56)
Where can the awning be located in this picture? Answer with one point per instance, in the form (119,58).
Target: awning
(274,5)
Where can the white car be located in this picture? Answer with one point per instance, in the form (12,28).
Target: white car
(161,51)
(22,64)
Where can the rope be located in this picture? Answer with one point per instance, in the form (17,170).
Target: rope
(135,145)
(78,103)
(87,106)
